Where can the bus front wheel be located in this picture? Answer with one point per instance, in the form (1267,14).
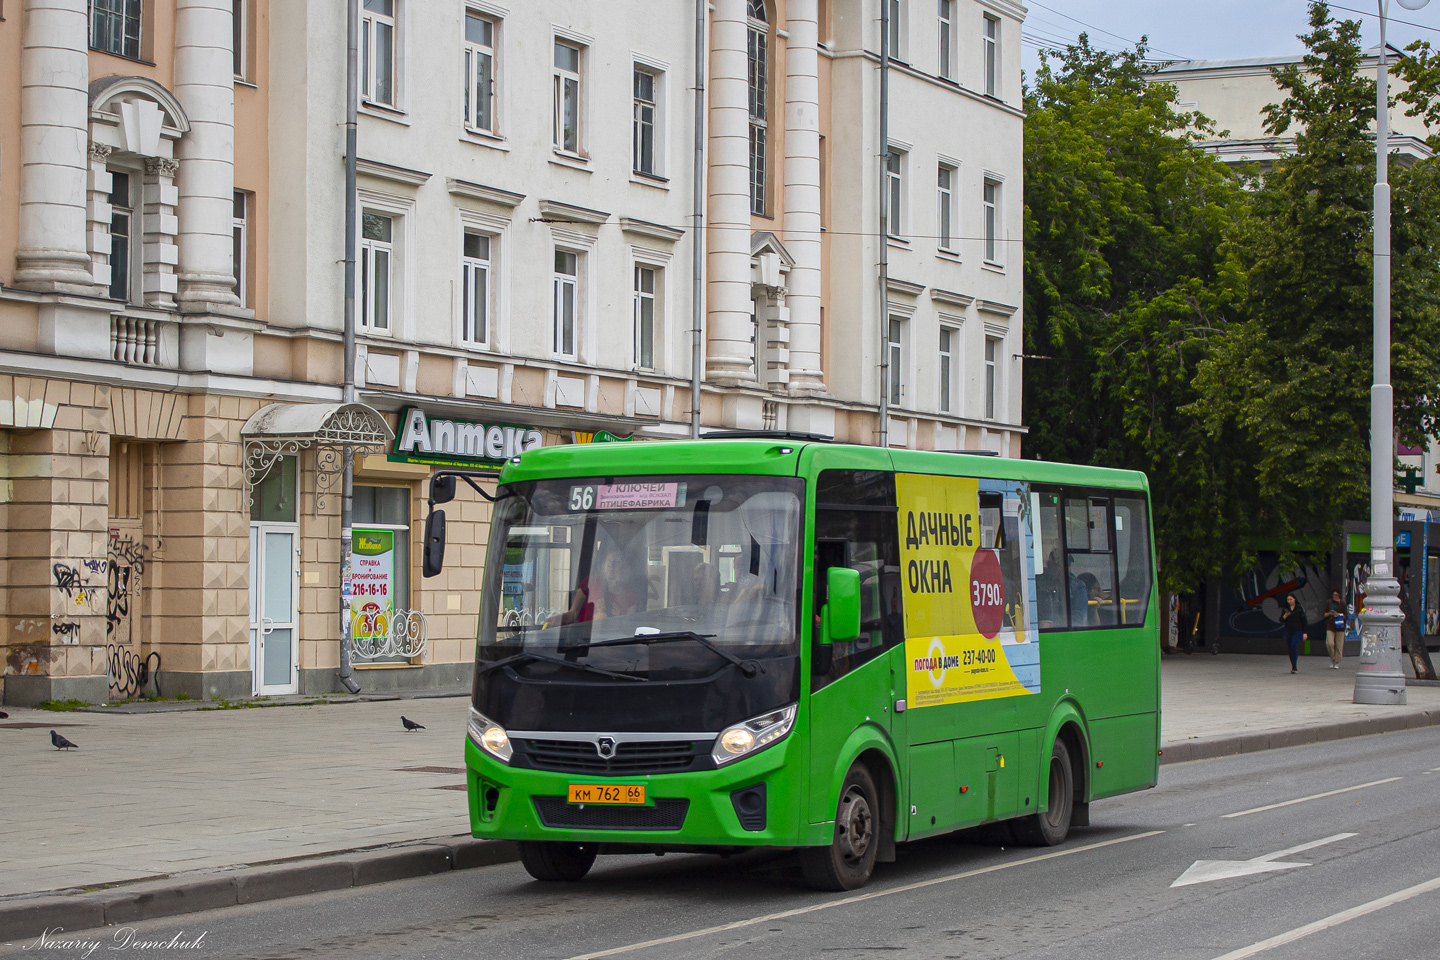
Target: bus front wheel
(549,860)
(1053,825)
(847,862)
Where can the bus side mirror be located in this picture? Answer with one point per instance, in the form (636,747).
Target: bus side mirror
(434,551)
(442,490)
(840,620)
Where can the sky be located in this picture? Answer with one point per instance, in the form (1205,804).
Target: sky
(1209,29)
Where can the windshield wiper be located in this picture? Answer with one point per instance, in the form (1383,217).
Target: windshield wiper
(559,661)
(747,667)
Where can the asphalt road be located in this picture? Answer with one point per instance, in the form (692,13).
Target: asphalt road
(1371,888)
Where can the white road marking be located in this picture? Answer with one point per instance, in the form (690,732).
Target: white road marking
(1313,796)
(1334,920)
(1204,871)
(846,901)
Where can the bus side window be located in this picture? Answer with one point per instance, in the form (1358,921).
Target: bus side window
(1050,592)
(1132,558)
(1091,583)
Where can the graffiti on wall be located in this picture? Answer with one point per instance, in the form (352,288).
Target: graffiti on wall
(1252,609)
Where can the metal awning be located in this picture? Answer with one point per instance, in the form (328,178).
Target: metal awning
(330,429)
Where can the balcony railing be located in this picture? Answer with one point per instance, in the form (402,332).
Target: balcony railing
(135,340)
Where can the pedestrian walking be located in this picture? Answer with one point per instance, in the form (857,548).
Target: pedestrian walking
(1292,620)
(1335,629)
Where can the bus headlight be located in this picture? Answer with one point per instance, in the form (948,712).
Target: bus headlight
(490,736)
(754,734)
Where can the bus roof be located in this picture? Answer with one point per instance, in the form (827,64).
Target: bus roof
(781,457)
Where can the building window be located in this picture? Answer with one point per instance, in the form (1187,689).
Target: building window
(567,97)
(377,52)
(115,27)
(945,206)
(992,221)
(479,72)
(894,344)
(946,26)
(567,277)
(380,528)
(475,290)
(894,180)
(646,83)
(645,317)
(241,240)
(992,376)
(240,37)
(897,32)
(122,235)
(992,56)
(377,262)
(947,369)
(757,49)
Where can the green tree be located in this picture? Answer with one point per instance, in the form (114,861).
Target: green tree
(1128,278)
(1293,378)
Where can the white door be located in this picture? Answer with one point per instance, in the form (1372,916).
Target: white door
(274,585)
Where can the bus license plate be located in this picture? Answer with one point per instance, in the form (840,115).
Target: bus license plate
(606,793)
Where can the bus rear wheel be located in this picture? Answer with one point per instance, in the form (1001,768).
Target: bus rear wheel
(550,860)
(1053,825)
(846,864)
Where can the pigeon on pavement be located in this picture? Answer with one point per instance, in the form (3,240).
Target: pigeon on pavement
(61,743)
(410,725)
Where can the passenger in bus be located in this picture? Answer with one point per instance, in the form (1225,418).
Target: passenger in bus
(1092,600)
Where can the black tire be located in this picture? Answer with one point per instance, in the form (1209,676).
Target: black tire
(846,864)
(550,860)
(1053,825)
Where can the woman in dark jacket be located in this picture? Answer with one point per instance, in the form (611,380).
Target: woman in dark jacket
(1292,620)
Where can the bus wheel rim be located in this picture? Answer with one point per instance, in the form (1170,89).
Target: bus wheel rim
(1057,790)
(856,825)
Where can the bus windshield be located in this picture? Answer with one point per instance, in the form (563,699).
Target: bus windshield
(642,578)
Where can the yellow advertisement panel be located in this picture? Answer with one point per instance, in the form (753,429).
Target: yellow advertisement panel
(968,585)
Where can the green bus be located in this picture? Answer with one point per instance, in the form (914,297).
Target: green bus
(772,640)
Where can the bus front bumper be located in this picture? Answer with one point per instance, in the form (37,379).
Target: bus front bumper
(696,808)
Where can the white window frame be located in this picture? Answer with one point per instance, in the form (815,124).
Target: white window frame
(994,376)
(992,226)
(948,363)
(468,267)
(560,77)
(240,38)
(990,54)
(471,58)
(240,229)
(895,185)
(897,324)
(134,248)
(370,251)
(945,211)
(559,286)
(655,297)
(371,21)
(656,106)
(897,30)
(758,107)
(945,40)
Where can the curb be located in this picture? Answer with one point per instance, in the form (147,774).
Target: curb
(1254,742)
(29,917)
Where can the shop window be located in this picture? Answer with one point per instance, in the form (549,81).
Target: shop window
(380,563)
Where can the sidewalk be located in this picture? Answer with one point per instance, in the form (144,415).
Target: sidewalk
(157,794)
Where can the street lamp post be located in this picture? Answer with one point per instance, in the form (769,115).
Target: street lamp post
(1381,679)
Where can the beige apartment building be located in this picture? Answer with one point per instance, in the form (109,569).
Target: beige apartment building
(171,293)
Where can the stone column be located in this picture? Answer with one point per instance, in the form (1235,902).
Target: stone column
(802,195)
(160,225)
(54,136)
(205,86)
(730,354)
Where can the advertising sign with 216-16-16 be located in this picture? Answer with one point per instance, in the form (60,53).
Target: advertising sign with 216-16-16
(969,590)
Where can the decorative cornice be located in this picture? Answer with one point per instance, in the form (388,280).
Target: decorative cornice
(479,191)
(388,171)
(556,210)
(951,297)
(162,167)
(991,306)
(904,287)
(656,231)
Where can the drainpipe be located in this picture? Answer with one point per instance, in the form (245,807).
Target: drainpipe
(697,232)
(884,224)
(347,491)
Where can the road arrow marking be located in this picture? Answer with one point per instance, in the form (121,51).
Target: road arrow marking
(1204,871)
(1313,796)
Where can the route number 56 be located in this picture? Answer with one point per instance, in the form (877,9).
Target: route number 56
(581,498)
